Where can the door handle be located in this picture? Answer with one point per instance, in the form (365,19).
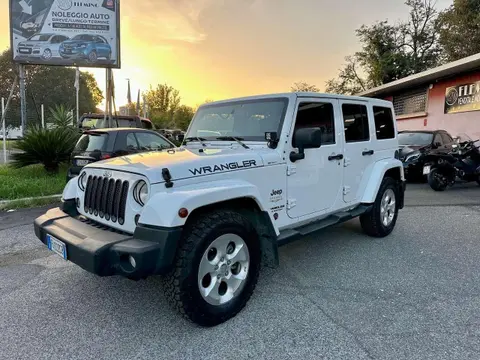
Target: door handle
(335,157)
(367,152)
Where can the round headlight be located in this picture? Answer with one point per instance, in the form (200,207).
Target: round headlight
(140,192)
(82,181)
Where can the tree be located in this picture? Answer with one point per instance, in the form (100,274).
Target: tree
(391,52)
(349,81)
(48,85)
(303,87)
(183,116)
(420,36)
(162,102)
(459,29)
(382,57)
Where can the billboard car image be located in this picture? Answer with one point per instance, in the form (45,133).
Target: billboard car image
(86,47)
(66,32)
(45,46)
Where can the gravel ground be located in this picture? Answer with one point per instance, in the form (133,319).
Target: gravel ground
(336,295)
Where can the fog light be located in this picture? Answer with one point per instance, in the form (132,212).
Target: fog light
(132,261)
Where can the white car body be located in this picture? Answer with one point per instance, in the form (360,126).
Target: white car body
(267,170)
(45,46)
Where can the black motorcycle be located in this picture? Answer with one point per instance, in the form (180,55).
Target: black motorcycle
(462,164)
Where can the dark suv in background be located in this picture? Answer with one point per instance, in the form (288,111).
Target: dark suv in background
(101,144)
(414,145)
(98,121)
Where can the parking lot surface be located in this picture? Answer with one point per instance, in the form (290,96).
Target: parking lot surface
(337,294)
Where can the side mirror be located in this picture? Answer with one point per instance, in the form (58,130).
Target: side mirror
(307,138)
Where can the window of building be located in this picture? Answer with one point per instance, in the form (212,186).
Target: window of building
(317,114)
(411,102)
(355,119)
(384,126)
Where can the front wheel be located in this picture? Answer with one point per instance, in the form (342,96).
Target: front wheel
(216,269)
(437,180)
(381,219)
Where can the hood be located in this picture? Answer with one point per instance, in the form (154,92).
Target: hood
(183,163)
(33,43)
(408,149)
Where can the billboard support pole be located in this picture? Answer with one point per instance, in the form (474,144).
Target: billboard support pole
(4,115)
(77,88)
(23,105)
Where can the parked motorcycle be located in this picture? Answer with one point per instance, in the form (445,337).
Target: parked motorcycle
(462,164)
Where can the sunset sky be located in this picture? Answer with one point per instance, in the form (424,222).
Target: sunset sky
(225,48)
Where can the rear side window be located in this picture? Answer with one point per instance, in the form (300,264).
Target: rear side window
(355,119)
(384,126)
(92,142)
(149,141)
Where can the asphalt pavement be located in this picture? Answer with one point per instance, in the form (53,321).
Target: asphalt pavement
(337,294)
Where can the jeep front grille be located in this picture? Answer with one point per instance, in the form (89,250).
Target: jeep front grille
(107,198)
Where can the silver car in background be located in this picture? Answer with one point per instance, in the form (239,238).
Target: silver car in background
(44,46)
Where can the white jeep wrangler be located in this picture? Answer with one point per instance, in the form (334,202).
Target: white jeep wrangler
(253,173)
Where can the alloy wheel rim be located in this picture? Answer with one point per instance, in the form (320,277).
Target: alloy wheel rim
(387,207)
(223,269)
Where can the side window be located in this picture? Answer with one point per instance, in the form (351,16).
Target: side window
(317,114)
(146,125)
(355,120)
(384,126)
(447,139)
(438,140)
(132,144)
(149,141)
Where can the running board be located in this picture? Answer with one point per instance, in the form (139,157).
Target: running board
(287,236)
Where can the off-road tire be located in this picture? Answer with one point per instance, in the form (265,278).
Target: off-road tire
(181,284)
(371,221)
(434,184)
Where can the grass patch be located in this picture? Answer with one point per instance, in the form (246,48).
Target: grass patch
(31,181)
(23,204)
(10,144)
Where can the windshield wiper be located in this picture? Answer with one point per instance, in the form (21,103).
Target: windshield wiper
(237,139)
(195,138)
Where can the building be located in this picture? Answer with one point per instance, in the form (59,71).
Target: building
(446,97)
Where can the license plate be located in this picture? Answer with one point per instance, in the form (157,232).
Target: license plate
(57,246)
(82,162)
(426,170)
(24,51)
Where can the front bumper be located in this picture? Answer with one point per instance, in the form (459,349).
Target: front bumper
(101,251)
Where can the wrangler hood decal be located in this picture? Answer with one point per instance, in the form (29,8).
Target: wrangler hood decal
(183,163)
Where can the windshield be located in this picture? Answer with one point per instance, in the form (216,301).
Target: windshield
(91,142)
(247,120)
(82,37)
(40,38)
(415,138)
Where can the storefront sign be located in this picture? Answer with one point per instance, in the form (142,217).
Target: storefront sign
(66,32)
(461,98)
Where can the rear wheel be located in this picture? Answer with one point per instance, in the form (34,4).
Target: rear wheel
(437,180)
(381,219)
(217,268)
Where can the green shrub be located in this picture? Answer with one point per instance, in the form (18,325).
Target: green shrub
(49,147)
(61,116)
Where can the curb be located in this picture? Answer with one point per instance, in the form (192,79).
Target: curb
(6,202)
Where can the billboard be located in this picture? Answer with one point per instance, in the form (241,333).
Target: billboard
(66,32)
(462,98)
